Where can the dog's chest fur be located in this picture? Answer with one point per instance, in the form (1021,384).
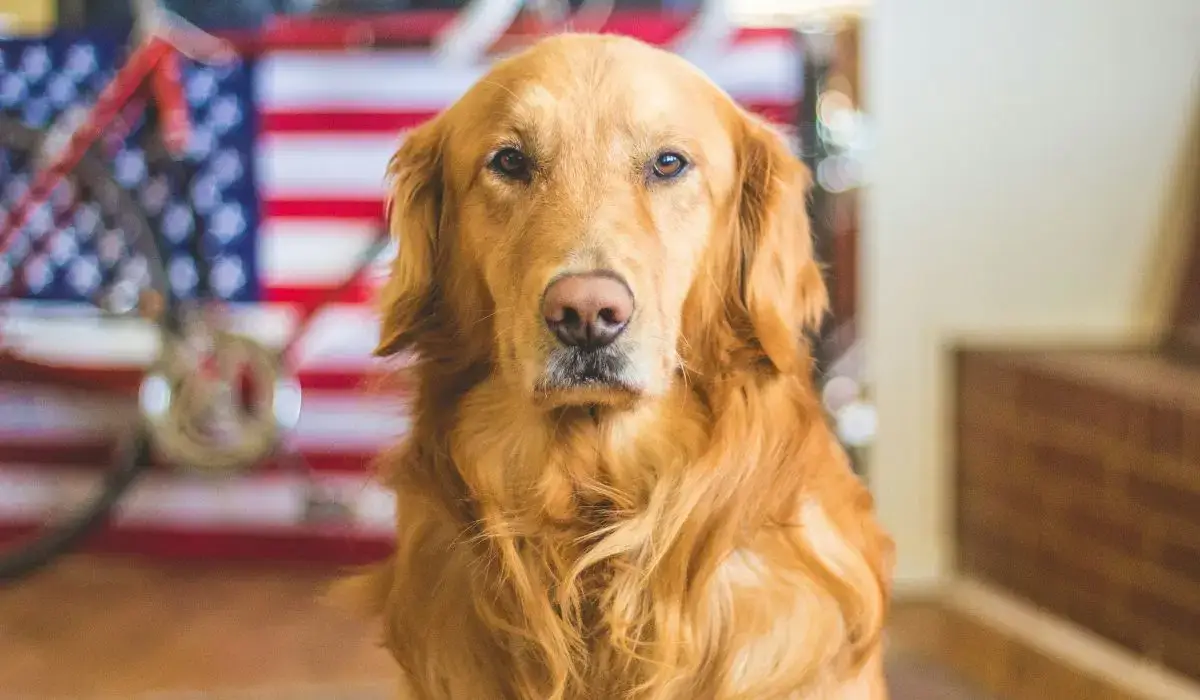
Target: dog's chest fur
(580,575)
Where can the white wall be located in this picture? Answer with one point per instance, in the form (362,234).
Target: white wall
(1023,147)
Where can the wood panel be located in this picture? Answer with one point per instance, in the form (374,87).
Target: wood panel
(1079,489)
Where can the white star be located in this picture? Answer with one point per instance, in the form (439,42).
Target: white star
(62,249)
(35,62)
(205,196)
(38,275)
(224,114)
(227,276)
(227,223)
(201,87)
(201,142)
(84,275)
(87,220)
(61,90)
(40,221)
(227,167)
(177,222)
(12,89)
(80,60)
(182,274)
(155,194)
(129,167)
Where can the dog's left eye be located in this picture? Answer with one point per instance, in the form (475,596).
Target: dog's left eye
(510,163)
(668,165)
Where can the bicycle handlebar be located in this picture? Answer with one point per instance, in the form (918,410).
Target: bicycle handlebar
(151,19)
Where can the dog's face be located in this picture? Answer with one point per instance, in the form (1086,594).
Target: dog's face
(592,217)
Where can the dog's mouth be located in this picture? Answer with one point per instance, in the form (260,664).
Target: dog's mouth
(581,377)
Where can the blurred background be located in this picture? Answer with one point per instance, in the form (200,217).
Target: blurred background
(1007,203)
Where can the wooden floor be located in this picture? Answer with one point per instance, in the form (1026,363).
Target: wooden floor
(102,629)
(117,630)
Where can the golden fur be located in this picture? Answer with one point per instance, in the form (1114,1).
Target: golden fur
(698,538)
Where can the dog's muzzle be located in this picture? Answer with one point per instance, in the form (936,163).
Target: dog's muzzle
(587,313)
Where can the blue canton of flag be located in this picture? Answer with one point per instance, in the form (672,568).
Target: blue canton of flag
(41,78)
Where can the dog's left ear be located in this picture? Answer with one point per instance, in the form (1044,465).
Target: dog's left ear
(414,215)
(782,289)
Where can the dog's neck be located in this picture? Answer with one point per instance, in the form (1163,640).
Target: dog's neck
(519,462)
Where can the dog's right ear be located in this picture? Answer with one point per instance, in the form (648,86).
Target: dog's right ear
(414,206)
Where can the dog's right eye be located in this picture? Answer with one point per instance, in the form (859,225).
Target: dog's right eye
(510,163)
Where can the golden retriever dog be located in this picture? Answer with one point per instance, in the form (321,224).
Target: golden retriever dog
(619,483)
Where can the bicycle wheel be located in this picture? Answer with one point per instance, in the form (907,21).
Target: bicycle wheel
(81,280)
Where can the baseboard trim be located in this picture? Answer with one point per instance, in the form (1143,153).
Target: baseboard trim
(917,589)
(1068,643)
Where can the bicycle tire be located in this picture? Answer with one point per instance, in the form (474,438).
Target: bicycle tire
(130,462)
(90,184)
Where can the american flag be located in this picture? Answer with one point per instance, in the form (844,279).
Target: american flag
(288,152)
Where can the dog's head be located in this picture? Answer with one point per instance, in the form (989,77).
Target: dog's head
(591,220)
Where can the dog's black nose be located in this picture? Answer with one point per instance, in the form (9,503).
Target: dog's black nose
(587,311)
